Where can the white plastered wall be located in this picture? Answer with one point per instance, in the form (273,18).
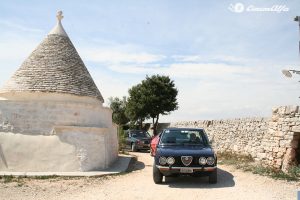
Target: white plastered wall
(53,134)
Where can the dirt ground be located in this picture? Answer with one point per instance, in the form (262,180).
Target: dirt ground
(232,184)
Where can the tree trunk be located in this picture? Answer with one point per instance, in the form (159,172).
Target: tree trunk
(155,125)
(141,124)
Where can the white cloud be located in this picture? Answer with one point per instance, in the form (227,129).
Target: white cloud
(14,25)
(116,54)
(112,56)
(185,70)
(207,58)
(130,69)
(210,91)
(195,70)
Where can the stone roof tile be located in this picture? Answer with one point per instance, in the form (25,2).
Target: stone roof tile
(54,66)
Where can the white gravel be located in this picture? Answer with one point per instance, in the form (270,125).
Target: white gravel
(232,184)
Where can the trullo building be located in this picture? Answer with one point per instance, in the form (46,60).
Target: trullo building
(51,113)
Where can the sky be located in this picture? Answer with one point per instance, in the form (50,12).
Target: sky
(225,57)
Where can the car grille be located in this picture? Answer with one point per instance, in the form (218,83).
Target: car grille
(146,142)
(194,163)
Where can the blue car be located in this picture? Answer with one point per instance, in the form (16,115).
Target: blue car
(137,140)
(184,151)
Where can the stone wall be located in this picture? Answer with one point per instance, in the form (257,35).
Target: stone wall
(271,141)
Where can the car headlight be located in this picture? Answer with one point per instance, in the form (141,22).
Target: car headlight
(202,160)
(170,160)
(162,160)
(210,160)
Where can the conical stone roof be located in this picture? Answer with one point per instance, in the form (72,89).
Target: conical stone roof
(54,67)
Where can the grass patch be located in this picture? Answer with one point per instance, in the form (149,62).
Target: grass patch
(7,179)
(45,177)
(21,179)
(12,179)
(246,163)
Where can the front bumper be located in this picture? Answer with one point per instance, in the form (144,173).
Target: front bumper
(195,169)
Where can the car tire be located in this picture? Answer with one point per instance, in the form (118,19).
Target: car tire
(157,175)
(133,147)
(213,177)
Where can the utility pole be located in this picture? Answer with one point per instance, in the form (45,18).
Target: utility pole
(288,72)
(297,19)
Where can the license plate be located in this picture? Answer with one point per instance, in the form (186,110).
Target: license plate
(186,170)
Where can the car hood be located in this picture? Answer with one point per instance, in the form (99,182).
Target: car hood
(191,150)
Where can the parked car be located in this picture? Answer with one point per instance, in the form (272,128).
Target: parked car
(153,145)
(137,140)
(184,151)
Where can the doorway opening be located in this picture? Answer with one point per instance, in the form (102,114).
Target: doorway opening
(297,137)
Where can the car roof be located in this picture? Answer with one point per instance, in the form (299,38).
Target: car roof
(174,129)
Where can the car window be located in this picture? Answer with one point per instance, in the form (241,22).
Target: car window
(182,137)
(140,134)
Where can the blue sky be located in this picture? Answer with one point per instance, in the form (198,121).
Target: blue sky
(224,64)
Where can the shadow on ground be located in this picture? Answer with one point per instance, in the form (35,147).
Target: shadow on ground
(225,179)
(135,165)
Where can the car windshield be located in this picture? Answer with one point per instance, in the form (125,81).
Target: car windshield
(140,134)
(184,137)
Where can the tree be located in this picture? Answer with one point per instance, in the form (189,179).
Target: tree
(118,107)
(155,96)
(136,109)
(161,97)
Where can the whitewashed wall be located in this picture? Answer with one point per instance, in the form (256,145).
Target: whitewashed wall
(56,135)
(39,117)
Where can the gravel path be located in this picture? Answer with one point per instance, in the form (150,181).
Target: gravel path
(232,184)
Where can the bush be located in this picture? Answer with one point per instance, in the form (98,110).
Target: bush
(295,171)
(121,137)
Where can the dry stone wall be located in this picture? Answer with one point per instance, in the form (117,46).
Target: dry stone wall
(271,141)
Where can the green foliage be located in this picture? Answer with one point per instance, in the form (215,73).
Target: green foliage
(136,109)
(295,171)
(161,95)
(118,107)
(8,178)
(155,96)
(121,136)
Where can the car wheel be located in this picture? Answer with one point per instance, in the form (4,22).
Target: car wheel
(133,147)
(157,175)
(213,177)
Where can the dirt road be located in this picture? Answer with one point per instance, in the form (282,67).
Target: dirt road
(232,184)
